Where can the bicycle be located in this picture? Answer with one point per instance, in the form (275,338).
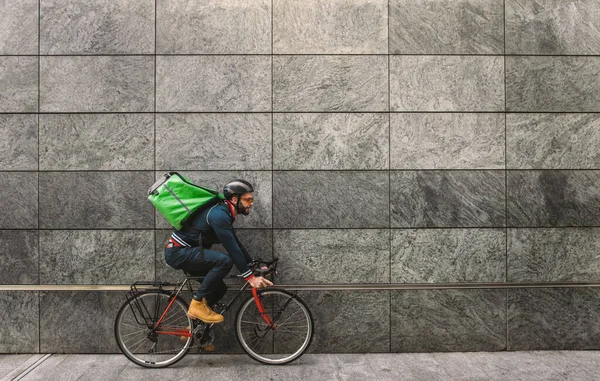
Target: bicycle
(152,329)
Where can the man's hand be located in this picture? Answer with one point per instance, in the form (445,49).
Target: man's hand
(259,282)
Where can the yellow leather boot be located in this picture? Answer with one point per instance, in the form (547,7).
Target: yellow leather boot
(201,311)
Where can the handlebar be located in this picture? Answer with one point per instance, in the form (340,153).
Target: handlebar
(271,267)
(258,270)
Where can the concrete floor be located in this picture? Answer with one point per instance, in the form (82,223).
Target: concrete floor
(539,365)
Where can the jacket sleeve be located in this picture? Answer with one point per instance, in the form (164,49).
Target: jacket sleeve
(221,225)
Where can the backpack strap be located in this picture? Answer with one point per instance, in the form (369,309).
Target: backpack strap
(209,213)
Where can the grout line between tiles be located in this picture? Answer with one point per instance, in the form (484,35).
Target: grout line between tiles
(294,55)
(75,171)
(505,177)
(201,112)
(325,287)
(389,175)
(272,128)
(319,228)
(39,297)
(154,138)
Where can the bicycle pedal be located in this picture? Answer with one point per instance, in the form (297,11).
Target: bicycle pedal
(219,307)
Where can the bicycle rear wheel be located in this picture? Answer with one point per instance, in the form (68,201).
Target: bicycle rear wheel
(145,343)
(278,335)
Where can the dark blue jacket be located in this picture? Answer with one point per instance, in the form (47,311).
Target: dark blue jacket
(214,224)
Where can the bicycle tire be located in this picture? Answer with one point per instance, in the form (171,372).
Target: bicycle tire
(175,320)
(287,344)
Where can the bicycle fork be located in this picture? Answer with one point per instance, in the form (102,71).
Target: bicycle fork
(265,315)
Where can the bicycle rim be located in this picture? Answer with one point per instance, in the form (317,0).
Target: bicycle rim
(137,340)
(290,334)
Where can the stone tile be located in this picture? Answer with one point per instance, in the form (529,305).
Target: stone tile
(500,366)
(447,141)
(415,367)
(330,27)
(19,312)
(19,257)
(553,141)
(18,84)
(97,27)
(227,141)
(261,212)
(331,141)
(213,83)
(95,84)
(75,367)
(214,27)
(540,84)
(331,199)
(553,318)
(97,142)
(447,83)
(553,198)
(258,242)
(104,368)
(448,255)
(447,27)
(50,365)
(553,255)
(330,83)
(333,256)
(95,200)
(19,146)
(96,256)
(79,321)
(448,320)
(552,27)
(19,200)
(10,361)
(448,198)
(349,321)
(19,27)
(12,365)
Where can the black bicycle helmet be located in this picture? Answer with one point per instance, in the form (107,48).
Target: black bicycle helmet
(237,187)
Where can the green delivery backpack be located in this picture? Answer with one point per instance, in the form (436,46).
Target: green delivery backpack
(176,197)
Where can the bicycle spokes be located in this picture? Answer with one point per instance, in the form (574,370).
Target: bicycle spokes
(276,329)
(147,342)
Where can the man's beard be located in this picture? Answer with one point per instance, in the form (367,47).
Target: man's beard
(244,211)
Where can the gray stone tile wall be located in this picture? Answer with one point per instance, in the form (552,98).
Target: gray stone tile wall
(448,320)
(19,27)
(553,318)
(19,146)
(97,27)
(20,329)
(446,27)
(448,255)
(20,257)
(437,143)
(18,84)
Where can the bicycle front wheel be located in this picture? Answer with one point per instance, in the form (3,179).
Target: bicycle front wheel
(278,334)
(147,343)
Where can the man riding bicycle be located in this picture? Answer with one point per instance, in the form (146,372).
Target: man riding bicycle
(188,249)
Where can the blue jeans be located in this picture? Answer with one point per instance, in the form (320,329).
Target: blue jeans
(213,265)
